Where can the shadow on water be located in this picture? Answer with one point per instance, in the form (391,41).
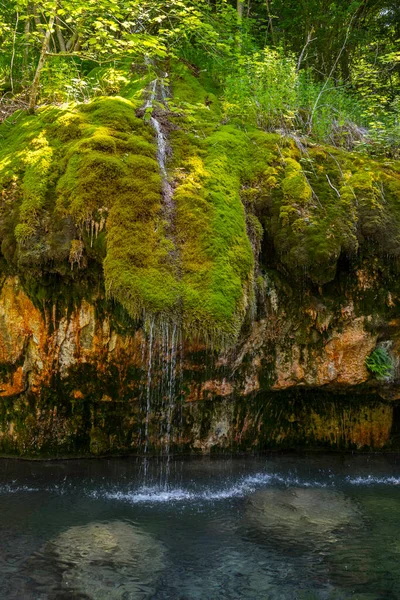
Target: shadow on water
(274,527)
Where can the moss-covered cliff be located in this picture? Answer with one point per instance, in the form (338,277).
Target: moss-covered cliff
(191,318)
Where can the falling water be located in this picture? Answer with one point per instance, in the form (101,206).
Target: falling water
(153,91)
(164,337)
(162,389)
(158,91)
(148,394)
(162,147)
(168,391)
(171,394)
(167,190)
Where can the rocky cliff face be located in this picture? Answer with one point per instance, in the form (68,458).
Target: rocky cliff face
(171,281)
(79,382)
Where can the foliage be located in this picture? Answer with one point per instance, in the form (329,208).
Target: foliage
(262,90)
(326,69)
(379,363)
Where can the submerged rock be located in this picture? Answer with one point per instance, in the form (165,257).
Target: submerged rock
(103,561)
(318,531)
(298,516)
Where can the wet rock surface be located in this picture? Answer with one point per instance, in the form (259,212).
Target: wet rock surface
(302,516)
(81,380)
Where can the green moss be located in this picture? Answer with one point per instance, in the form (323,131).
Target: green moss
(81,190)
(326,203)
(216,257)
(294,184)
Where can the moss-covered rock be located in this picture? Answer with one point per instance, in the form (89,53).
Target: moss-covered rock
(82,192)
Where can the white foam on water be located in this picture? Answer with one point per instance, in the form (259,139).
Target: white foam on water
(16,489)
(370,480)
(243,487)
(296,482)
(164,494)
(148,495)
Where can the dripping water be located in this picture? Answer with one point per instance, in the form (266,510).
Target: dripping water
(164,337)
(171,395)
(162,391)
(148,395)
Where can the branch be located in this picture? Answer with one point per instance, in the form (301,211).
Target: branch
(27,30)
(42,58)
(270,22)
(332,186)
(83,56)
(60,36)
(308,41)
(13,53)
(330,73)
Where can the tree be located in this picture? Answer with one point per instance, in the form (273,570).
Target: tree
(42,58)
(99,30)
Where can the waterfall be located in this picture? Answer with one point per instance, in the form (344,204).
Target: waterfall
(164,337)
(153,91)
(157,90)
(161,390)
(148,393)
(167,190)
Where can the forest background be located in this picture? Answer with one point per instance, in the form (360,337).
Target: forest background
(328,70)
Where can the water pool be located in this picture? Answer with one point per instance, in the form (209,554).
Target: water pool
(280,527)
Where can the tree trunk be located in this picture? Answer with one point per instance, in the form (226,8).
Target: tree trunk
(27,31)
(42,59)
(248,7)
(13,54)
(240,6)
(71,42)
(271,27)
(36,18)
(60,37)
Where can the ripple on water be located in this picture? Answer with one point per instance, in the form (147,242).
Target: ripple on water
(371,480)
(238,489)
(169,493)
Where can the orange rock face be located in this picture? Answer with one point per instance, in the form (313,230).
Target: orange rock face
(341,361)
(228,401)
(27,340)
(35,352)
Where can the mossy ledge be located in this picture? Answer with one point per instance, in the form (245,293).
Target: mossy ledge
(81,189)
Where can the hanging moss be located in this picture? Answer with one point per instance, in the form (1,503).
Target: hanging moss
(81,190)
(321,203)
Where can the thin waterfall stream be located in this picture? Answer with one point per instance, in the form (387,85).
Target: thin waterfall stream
(158,89)
(164,352)
(164,337)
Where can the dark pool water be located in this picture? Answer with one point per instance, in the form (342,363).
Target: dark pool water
(281,527)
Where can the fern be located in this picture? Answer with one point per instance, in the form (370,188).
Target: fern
(379,363)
